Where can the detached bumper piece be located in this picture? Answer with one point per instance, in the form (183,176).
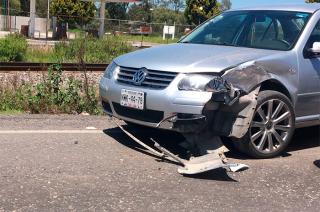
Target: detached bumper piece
(213,157)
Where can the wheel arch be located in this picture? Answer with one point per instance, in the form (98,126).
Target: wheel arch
(275,85)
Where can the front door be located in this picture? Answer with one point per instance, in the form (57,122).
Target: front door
(309,80)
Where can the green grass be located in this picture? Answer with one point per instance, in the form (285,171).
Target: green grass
(95,51)
(150,39)
(12,48)
(51,95)
(11,112)
(75,30)
(40,56)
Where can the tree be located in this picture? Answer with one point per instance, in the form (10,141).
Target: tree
(140,12)
(25,7)
(14,7)
(71,11)
(176,5)
(162,15)
(117,10)
(312,1)
(198,11)
(225,5)
(41,8)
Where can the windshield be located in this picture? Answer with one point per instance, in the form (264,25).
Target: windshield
(278,30)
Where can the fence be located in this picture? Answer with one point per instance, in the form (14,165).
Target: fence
(15,23)
(140,28)
(46,28)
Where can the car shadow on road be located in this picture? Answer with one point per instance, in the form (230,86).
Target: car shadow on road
(305,138)
(144,135)
(317,163)
(241,156)
(167,139)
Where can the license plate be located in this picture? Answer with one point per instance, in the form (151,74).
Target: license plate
(132,99)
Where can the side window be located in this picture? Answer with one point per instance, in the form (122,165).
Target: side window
(314,37)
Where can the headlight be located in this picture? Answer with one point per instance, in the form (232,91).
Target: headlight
(195,82)
(110,70)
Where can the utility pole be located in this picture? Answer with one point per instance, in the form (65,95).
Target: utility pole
(8,16)
(6,13)
(32,18)
(102,17)
(48,16)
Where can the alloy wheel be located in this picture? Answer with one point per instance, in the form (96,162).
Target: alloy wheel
(272,126)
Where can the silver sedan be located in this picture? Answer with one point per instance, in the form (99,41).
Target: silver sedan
(250,76)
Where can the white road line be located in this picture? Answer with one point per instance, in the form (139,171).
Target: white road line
(51,132)
(91,128)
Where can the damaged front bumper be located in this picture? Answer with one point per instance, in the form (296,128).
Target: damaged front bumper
(211,149)
(187,106)
(231,118)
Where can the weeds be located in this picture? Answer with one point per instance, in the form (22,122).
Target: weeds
(150,39)
(13,48)
(51,95)
(96,50)
(42,56)
(54,94)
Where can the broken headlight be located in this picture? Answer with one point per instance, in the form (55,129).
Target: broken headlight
(110,70)
(201,82)
(222,91)
(218,85)
(194,82)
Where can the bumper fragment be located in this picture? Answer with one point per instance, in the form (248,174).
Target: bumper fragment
(213,159)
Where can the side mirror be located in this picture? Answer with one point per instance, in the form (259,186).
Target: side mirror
(315,50)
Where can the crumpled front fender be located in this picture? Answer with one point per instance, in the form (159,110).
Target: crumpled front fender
(247,76)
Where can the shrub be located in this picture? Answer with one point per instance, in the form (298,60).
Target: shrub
(95,50)
(52,95)
(13,48)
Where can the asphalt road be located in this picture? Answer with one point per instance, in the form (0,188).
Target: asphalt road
(56,163)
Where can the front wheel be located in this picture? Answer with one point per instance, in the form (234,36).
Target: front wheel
(272,126)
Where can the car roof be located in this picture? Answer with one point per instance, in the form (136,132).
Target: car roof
(309,8)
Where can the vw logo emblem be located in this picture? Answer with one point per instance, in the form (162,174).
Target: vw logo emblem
(140,76)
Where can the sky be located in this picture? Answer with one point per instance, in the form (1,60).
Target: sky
(245,3)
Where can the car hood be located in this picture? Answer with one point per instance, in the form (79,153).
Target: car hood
(189,58)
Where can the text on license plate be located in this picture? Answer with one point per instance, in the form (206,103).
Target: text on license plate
(133,99)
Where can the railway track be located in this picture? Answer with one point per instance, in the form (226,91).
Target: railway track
(21,66)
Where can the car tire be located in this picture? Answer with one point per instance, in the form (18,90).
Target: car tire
(230,144)
(271,129)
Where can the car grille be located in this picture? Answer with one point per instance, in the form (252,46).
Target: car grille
(154,79)
(152,116)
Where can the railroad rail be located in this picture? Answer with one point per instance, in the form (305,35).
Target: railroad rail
(21,66)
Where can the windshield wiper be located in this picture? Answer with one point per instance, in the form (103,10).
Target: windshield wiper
(226,44)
